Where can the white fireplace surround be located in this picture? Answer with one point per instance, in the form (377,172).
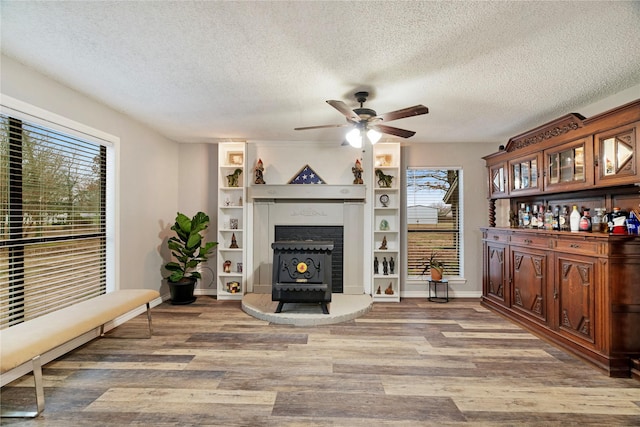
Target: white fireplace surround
(306,205)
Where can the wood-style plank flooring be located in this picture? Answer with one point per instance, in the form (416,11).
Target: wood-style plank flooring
(413,363)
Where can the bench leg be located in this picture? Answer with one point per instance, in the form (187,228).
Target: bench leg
(37,378)
(149,319)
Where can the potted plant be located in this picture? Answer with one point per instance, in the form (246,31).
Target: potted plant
(189,250)
(434,266)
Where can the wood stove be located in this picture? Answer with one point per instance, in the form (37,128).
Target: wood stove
(302,273)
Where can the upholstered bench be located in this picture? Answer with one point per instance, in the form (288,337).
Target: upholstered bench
(27,341)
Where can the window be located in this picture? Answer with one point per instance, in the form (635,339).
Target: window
(53,228)
(434,218)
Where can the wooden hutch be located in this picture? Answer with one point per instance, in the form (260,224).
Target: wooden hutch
(580,290)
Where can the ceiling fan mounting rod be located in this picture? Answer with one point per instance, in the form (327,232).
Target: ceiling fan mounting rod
(361,97)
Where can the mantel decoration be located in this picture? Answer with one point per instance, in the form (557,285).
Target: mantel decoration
(357,172)
(306,175)
(259,173)
(189,250)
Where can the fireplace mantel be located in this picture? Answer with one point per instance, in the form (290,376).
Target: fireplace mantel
(307,192)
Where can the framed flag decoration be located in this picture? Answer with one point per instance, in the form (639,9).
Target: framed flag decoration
(306,175)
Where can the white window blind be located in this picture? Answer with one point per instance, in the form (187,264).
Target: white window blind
(433,219)
(52,220)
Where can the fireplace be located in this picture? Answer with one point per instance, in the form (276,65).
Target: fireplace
(329,233)
(302,273)
(319,210)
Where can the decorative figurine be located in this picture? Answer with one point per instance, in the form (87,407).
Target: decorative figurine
(384,225)
(234,243)
(233,180)
(384,243)
(226,267)
(392,265)
(385,266)
(357,172)
(384,181)
(378,291)
(375,266)
(389,290)
(259,172)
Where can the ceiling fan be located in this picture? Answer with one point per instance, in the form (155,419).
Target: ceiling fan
(366,121)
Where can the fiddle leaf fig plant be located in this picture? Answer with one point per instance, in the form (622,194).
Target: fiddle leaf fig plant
(188,247)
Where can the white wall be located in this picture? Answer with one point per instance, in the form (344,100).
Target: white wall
(198,191)
(148,169)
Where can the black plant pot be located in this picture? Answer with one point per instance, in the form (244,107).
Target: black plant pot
(182,291)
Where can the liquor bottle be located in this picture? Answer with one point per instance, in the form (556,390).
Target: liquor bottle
(555,225)
(548,219)
(597,222)
(585,221)
(574,219)
(534,217)
(563,219)
(521,216)
(526,219)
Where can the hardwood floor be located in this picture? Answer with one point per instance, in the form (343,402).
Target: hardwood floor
(415,363)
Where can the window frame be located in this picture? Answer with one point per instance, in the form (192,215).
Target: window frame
(25,112)
(461,234)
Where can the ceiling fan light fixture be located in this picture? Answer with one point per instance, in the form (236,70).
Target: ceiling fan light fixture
(374,136)
(354,136)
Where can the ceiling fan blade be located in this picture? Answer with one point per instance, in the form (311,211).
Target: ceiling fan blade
(321,127)
(416,110)
(345,110)
(394,131)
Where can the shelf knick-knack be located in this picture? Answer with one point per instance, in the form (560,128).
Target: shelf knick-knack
(234,243)
(384,243)
(233,180)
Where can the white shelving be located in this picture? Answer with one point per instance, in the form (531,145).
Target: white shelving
(232,196)
(386,223)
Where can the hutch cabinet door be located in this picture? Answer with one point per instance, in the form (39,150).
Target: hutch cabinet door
(617,161)
(529,282)
(496,284)
(524,175)
(569,166)
(497,181)
(575,297)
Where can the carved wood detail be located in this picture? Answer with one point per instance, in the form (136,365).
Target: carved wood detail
(565,124)
(518,300)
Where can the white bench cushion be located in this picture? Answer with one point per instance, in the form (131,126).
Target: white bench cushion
(22,342)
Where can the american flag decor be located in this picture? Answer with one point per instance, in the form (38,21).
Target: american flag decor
(306,175)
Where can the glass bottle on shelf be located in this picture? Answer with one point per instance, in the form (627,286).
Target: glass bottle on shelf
(555,225)
(597,222)
(574,219)
(548,219)
(526,219)
(534,217)
(585,221)
(521,216)
(563,219)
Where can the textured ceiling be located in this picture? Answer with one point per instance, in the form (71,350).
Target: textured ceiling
(203,71)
